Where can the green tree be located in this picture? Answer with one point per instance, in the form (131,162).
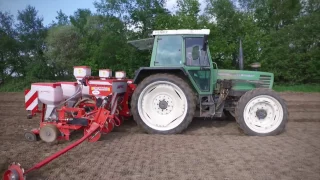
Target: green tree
(282,35)
(224,38)
(273,14)
(31,35)
(61,18)
(188,13)
(63,50)
(9,47)
(141,15)
(292,53)
(79,19)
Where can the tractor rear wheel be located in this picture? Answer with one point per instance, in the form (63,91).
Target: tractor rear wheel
(261,112)
(163,104)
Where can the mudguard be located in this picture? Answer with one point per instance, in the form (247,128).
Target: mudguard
(143,72)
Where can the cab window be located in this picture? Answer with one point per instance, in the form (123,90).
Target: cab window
(193,44)
(168,52)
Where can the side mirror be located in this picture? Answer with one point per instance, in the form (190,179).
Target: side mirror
(195,52)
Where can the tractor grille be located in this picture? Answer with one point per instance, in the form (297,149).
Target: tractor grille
(266,80)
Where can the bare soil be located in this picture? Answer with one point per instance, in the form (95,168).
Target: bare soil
(208,149)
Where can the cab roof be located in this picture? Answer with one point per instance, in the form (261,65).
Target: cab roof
(147,43)
(181,31)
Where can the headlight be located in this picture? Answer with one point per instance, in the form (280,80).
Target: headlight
(120,74)
(105,73)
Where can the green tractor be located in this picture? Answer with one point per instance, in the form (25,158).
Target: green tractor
(182,82)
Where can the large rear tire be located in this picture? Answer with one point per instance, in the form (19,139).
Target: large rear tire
(163,104)
(261,112)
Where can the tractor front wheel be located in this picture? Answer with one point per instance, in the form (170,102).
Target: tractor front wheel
(163,104)
(261,112)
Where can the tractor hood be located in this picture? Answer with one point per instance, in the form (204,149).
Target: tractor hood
(246,80)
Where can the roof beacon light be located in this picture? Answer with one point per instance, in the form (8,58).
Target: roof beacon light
(120,74)
(105,73)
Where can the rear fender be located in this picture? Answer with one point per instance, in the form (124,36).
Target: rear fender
(147,71)
(144,72)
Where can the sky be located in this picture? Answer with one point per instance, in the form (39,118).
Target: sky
(48,8)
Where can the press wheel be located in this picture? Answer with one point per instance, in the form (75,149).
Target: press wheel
(49,133)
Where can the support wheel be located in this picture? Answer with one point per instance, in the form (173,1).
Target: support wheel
(163,104)
(30,136)
(49,133)
(261,112)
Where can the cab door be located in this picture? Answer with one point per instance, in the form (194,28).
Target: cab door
(198,65)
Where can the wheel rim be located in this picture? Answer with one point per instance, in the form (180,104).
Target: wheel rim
(162,105)
(263,114)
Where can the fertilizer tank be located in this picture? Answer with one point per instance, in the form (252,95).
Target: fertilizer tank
(48,93)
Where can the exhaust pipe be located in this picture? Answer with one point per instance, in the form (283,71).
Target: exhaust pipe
(255,66)
(240,56)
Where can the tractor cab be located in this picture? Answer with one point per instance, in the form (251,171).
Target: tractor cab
(186,50)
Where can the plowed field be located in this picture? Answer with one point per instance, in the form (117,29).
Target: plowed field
(208,149)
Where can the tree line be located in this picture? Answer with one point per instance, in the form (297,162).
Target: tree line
(284,36)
